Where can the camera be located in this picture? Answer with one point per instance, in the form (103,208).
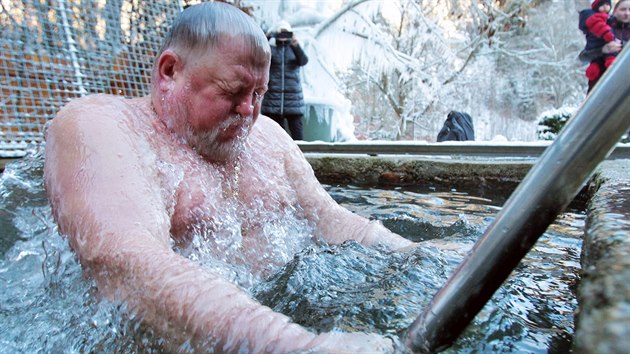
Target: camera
(284,35)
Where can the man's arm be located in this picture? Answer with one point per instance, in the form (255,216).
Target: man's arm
(335,223)
(106,198)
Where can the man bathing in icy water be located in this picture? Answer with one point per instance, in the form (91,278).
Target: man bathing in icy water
(133,182)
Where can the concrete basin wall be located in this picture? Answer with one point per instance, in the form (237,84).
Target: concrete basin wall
(603,319)
(414,170)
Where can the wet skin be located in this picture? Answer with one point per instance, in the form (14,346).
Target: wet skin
(130,181)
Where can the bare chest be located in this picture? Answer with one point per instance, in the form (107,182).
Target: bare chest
(249,217)
(234,201)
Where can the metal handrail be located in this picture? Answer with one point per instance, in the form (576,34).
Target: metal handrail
(551,184)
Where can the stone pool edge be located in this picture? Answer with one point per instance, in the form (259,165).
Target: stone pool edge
(603,320)
(602,323)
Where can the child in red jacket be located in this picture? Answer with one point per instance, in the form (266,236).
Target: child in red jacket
(594,24)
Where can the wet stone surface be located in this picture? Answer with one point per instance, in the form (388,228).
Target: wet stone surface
(412,170)
(603,322)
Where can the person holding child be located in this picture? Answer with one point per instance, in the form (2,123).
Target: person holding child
(606,36)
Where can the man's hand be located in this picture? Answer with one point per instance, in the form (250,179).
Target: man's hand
(352,343)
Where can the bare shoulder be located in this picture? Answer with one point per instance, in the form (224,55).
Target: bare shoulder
(97,127)
(271,137)
(97,114)
(90,105)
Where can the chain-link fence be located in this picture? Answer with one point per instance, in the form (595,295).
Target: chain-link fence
(56,50)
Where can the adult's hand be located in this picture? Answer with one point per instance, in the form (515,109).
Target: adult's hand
(332,342)
(612,47)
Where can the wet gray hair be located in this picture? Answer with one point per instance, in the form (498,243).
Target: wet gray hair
(203,26)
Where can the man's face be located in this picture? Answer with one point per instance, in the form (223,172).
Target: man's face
(217,100)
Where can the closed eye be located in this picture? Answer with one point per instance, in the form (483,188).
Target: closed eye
(258,96)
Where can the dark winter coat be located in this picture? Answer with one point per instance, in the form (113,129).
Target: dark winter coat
(284,95)
(621,30)
(457,127)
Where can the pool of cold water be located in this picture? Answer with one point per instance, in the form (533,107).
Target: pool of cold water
(356,288)
(46,305)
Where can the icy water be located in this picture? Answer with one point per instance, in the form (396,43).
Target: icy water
(46,305)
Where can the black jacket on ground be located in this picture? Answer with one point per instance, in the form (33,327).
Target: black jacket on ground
(458,127)
(284,95)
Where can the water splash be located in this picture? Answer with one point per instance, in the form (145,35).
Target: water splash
(48,305)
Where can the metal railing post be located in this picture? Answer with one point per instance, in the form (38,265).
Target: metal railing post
(551,184)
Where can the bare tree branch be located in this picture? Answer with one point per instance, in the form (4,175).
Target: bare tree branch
(324,25)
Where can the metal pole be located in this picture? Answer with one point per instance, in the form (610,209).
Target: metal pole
(544,193)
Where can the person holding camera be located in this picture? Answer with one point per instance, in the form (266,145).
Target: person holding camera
(284,98)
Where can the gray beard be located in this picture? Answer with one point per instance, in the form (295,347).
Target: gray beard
(207,145)
(205,142)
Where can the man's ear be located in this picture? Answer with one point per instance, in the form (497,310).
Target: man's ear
(169,68)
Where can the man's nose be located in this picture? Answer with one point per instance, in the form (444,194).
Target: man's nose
(246,106)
